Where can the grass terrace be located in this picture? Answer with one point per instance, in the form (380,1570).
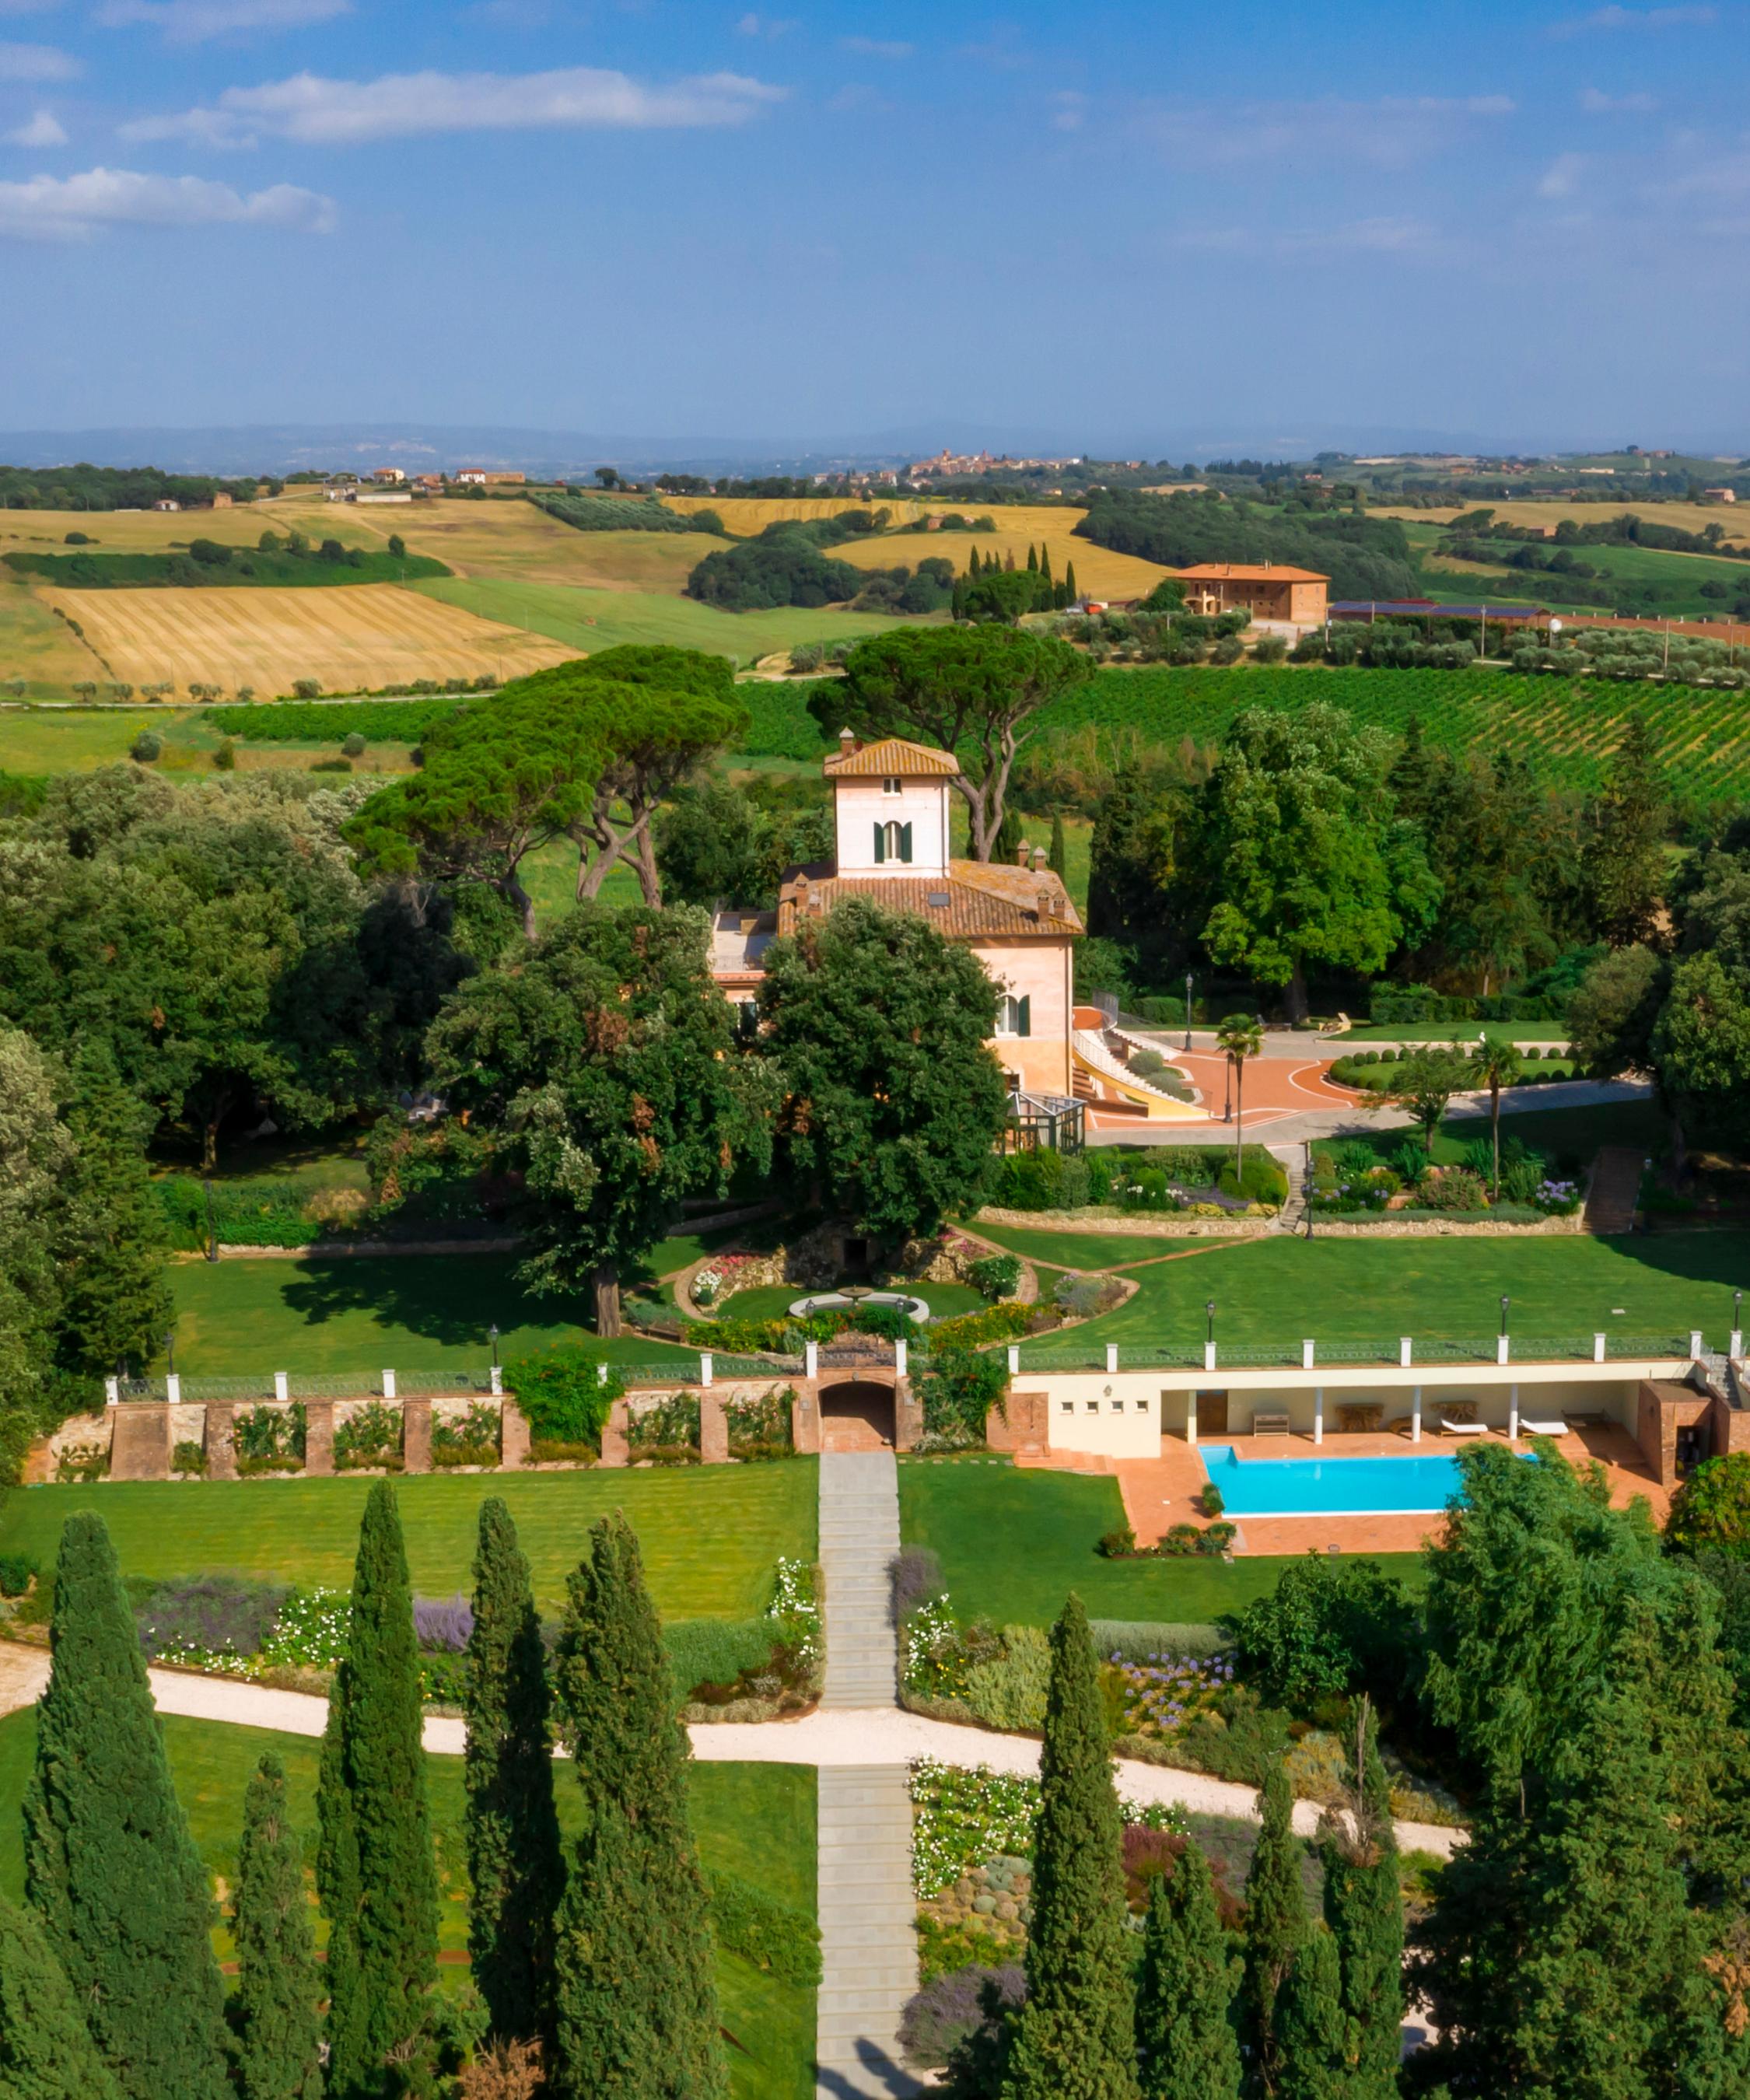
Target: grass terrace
(710,1535)
(755,1821)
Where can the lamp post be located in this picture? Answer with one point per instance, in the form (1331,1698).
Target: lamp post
(1208,1323)
(1506,1301)
(169,1352)
(492,1337)
(1187,1009)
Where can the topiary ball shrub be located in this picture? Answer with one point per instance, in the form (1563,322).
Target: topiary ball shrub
(354,745)
(147,747)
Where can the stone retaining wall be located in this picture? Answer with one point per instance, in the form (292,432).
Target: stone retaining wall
(1149,1224)
(1459,1227)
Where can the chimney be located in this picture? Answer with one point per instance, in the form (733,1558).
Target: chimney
(1039,860)
(1023,854)
(1047,905)
(799,890)
(846,743)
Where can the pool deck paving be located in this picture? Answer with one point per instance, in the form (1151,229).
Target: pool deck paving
(1159,1493)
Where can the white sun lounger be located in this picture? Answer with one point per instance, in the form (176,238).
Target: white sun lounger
(1531,1426)
(1462,1428)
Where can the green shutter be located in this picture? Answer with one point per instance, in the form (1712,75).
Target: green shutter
(904,842)
(1026,1015)
(880,845)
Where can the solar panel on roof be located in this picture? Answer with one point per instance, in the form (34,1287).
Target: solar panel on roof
(938,897)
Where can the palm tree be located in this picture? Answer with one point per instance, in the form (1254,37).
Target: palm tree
(1495,1065)
(1239,1036)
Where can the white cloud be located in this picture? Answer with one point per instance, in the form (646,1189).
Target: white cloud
(1390,132)
(876,47)
(1597,103)
(766,25)
(36,62)
(343,112)
(41,129)
(1635,17)
(192,21)
(77,207)
(1561,179)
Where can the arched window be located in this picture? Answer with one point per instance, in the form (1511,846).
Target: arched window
(893,841)
(1014,1016)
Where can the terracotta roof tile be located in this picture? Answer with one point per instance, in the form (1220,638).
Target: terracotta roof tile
(972,901)
(892,755)
(1252,572)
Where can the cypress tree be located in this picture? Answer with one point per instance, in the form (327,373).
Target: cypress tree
(374,1866)
(1045,565)
(1033,558)
(1008,837)
(1069,581)
(972,565)
(1008,561)
(1076,2039)
(635,1991)
(47,2052)
(1060,853)
(1313,2036)
(279,2053)
(1184,1999)
(515,1866)
(110,1869)
(1276,1926)
(1364,1906)
(110,1249)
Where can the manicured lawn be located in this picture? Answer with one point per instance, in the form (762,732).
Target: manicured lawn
(710,1535)
(1452,1031)
(350,1315)
(753,1820)
(1013,1545)
(1276,1290)
(1061,1248)
(1576,1132)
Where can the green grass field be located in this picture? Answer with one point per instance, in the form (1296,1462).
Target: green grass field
(1068,1249)
(48,740)
(757,1821)
(711,1535)
(1013,1545)
(1271,1293)
(1574,1133)
(588,620)
(1452,1031)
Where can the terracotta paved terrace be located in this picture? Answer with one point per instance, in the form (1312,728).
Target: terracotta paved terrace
(1159,1493)
(1275,1087)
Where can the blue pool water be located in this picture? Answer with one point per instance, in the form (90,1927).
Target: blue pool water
(1330,1487)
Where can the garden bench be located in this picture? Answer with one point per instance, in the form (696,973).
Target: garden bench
(1269,1424)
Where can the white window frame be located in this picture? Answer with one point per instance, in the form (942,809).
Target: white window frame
(892,785)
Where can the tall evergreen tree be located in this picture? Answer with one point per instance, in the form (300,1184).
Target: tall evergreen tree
(515,1869)
(1364,1906)
(374,1865)
(1276,1927)
(1624,857)
(635,1990)
(279,2035)
(1076,2039)
(47,2052)
(972,565)
(1045,565)
(110,1249)
(1185,2036)
(110,1869)
(1060,853)
(1069,581)
(1008,838)
(1313,2038)
(1033,558)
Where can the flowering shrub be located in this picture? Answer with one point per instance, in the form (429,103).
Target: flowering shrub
(466,1440)
(972,1330)
(370,1437)
(217,1613)
(668,1432)
(1162,1695)
(443,1622)
(270,1439)
(708,1285)
(795,1610)
(1561,1199)
(309,1632)
(564,1400)
(963,1815)
(934,1661)
(760,1429)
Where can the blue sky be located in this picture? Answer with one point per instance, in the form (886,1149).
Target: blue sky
(1149,225)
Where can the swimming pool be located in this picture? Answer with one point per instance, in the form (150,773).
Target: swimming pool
(1331,1487)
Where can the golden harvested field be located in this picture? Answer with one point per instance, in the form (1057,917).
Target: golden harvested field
(1098,569)
(366,635)
(140,531)
(36,647)
(1686,517)
(745,515)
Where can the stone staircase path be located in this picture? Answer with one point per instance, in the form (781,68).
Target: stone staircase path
(859,1535)
(1616,1189)
(869,1954)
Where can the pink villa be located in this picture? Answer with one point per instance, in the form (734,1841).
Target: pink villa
(891,837)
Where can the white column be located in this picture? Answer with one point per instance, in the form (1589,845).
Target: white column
(1404,1352)
(811,1360)
(1306,1356)
(1191,1416)
(1735,1348)
(1694,1342)
(1416,1415)
(1501,1348)
(1209,1355)
(704,1366)
(1513,1413)
(389,1385)
(282,1386)
(1112,1357)
(172,1389)
(1014,1359)
(1597,1348)
(1318,1411)
(112,1393)
(498,1381)
(900,1350)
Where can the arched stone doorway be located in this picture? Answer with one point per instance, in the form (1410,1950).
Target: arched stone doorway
(857,1415)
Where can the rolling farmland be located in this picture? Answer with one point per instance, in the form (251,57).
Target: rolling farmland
(372,635)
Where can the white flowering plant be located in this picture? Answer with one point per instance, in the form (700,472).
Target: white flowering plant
(310,1633)
(963,1815)
(795,1610)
